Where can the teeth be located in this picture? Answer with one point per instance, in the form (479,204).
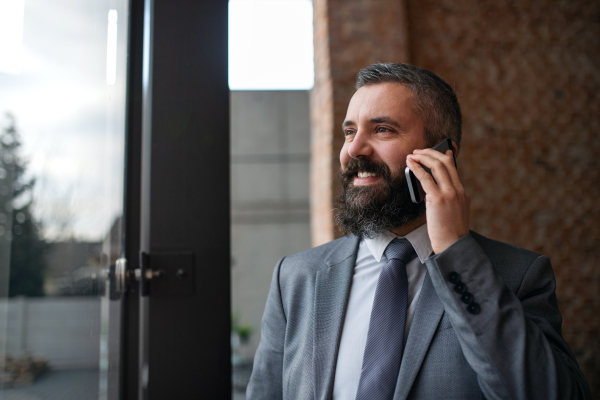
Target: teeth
(366,174)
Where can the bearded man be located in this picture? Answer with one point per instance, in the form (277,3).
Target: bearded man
(411,304)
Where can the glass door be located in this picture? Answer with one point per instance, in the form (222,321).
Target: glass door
(62,133)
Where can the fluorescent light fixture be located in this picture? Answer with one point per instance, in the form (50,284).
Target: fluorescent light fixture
(271,45)
(111,48)
(11,35)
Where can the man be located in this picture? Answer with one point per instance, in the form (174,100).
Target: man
(410,304)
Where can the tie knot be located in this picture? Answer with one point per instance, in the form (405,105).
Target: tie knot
(400,249)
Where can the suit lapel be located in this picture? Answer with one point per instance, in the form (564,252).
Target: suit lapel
(332,289)
(428,313)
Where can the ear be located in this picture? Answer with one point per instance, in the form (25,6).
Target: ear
(455,149)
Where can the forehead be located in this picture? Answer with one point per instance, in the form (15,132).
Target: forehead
(382,99)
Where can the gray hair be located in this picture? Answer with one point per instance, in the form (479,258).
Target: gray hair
(435,102)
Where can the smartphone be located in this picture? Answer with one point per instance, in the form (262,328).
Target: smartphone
(417,194)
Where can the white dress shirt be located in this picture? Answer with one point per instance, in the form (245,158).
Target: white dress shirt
(370,260)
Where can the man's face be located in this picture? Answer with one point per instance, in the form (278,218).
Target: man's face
(381,128)
(381,125)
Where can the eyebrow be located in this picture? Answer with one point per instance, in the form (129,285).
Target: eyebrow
(347,123)
(387,120)
(377,120)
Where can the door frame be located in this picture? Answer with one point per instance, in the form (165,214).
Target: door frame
(177,197)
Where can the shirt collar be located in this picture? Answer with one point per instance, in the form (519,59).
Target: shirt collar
(419,238)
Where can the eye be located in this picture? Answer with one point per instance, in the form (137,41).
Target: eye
(348,132)
(382,129)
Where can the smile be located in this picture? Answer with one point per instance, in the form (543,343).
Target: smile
(366,174)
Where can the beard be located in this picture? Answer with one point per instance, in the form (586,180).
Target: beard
(368,210)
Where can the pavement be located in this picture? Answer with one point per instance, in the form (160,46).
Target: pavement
(75,384)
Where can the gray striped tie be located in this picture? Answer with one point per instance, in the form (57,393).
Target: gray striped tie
(385,339)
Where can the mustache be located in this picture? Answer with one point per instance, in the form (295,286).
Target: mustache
(365,165)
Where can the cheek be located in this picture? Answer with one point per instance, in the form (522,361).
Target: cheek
(344,157)
(395,160)
(401,162)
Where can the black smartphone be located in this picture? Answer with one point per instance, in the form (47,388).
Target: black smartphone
(417,194)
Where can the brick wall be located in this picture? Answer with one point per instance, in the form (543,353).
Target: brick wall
(527,75)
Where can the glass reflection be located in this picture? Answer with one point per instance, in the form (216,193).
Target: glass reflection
(62,118)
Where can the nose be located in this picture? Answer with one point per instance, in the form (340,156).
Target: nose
(360,146)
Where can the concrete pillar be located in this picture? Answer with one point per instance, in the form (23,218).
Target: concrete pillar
(348,36)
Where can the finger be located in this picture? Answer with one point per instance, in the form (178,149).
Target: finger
(427,182)
(438,169)
(447,159)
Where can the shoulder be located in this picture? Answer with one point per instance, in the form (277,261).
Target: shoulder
(296,274)
(510,261)
(328,251)
(312,260)
(504,253)
(303,266)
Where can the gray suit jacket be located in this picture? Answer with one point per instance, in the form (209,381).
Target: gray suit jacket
(511,349)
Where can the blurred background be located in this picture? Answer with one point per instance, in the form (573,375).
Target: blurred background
(527,76)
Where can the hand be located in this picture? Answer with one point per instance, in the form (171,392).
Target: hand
(448,205)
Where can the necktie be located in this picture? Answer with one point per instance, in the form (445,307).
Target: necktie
(385,338)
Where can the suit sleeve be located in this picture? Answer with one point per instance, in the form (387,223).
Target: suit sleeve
(266,379)
(512,340)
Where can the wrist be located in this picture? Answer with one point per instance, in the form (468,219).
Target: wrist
(441,246)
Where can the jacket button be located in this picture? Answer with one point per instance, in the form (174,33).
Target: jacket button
(460,287)
(467,297)
(473,308)
(454,277)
